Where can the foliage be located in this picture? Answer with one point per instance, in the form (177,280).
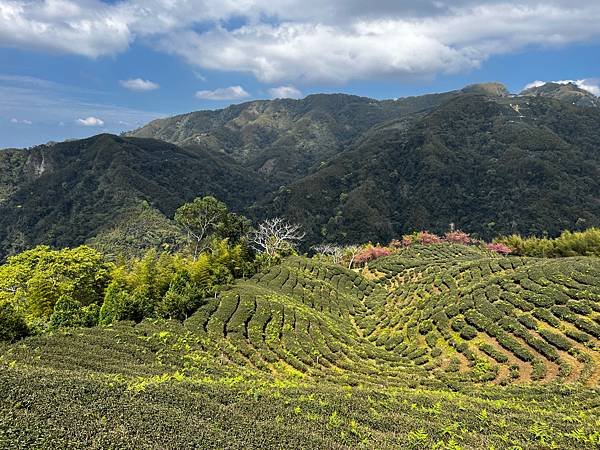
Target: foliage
(92,189)
(371,253)
(498,247)
(143,228)
(206,220)
(12,324)
(426,238)
(584,243)
(36,279)
(181,299)
(331,357)
(457,237)
(67,313)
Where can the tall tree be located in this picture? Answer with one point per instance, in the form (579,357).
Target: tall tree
(207,218)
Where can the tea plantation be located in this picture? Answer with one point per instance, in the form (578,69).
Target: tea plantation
(435,347)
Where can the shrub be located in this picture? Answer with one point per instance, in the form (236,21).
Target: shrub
(490,350)
(371,254)
(584,243)
(12,324)
(468,332)
(121,305)
(558,340)
(458,237)
(67,313)
(182,298)
(426,238)
(498,247)
(408,240)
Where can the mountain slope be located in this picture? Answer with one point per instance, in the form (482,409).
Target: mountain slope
(285,138)
(350,169)
(490,166)
(88,186)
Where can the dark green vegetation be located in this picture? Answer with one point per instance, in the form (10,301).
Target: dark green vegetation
(474,161)
(441,346)
(97,188)
(350,169)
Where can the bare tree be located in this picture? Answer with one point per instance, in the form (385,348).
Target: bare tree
(351,252)
(335,252)
(274,235)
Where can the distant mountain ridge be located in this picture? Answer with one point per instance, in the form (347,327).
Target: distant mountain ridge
(348,168)
(568,92)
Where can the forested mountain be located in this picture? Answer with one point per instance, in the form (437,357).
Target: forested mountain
(67,193)
(284,139)
(348,168)
(528,165)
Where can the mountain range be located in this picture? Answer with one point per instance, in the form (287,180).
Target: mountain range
(347,168)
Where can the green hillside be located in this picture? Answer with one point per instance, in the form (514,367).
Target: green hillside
(440,346)
(490,166)
(88,187)
(349,169)
(285,139)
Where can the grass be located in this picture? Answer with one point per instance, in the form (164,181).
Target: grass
(441,347)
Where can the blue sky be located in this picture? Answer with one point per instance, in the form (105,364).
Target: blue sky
(70,69)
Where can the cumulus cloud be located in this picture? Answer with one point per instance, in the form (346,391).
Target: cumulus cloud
(139,85)
(285,92)
(303,41)
(90,122)
(24,121)
(590,85)
(307,52)
(87,27)
(228,93)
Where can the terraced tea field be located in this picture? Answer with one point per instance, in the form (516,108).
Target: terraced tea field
(440,346)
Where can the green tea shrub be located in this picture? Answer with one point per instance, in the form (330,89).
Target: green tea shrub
(558,340)
(468,332)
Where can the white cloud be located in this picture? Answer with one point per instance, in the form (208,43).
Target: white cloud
(137,84)
(228,93)
(590,85)
(392,47)
(24,121)
(91,122)
(534,84)
(86,27)
(285,92)
(303,41)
